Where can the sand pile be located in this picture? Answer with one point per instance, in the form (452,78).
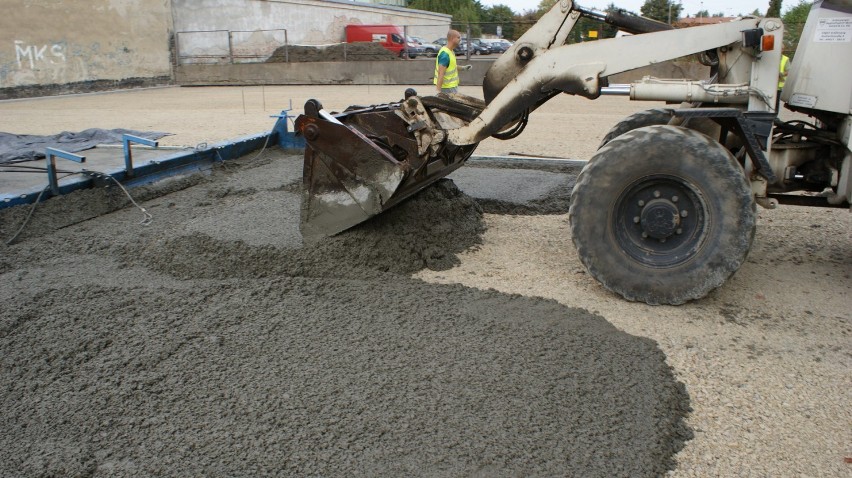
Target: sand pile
(358,51)
(213,342)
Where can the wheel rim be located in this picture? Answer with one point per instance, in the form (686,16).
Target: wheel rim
(660,221)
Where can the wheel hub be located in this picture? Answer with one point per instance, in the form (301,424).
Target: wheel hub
(660,218)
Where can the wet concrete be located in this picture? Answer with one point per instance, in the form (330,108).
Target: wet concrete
(212,342)
(502,190)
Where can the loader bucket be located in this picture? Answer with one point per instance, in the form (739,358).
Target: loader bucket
(359,163)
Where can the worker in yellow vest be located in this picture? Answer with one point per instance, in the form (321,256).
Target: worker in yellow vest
(782,78)
(446,78)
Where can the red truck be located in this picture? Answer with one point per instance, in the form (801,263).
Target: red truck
(389,36)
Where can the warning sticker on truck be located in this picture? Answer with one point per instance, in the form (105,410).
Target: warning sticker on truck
(834,30)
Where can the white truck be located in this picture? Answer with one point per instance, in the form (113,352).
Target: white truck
(665,211)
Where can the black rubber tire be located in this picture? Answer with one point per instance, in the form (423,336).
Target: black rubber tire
(655,116)
(654,173)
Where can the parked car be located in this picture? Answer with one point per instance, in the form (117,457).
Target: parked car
(498,46)
(463,47)
(429,49)
(414,49)
(479,47)
(441,42)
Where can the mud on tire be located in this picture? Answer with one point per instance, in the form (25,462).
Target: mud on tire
(652,117)
(662,214)
(662,116)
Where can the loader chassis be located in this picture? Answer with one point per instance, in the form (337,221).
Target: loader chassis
(664,212)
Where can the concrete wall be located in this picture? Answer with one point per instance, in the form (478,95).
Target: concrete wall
(398,72)
(56,42)
(308,22)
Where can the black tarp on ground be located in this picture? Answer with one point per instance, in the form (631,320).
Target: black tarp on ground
(15,148)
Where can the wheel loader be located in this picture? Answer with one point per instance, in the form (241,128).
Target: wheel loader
(665,211)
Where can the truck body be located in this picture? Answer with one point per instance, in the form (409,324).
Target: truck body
(391,37)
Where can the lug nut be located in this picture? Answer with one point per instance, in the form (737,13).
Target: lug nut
(641,203)
(684,213)
(656,194)
(644,235)
(662,240)
(636,219)
(675,198)
(679,231)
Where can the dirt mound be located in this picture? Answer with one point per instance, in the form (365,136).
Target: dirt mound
(359,51)
(213,342)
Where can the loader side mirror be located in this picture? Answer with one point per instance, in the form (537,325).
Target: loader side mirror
(752,38)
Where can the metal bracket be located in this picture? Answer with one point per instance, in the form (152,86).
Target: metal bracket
(286,139)
(51,155)
(754,127)
(126,140)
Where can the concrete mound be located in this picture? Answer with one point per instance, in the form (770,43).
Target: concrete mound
(180,349)
(424,232)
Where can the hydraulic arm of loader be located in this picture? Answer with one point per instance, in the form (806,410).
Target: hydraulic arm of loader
(365,160)
(538,71)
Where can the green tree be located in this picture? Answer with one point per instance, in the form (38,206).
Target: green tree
(794,21)
(702,14)
(659,10)
(464,12)
(774,10)
(498,15)
(523,21)
(544,6)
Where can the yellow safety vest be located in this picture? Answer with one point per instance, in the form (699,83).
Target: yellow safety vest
(782,70)
(451,76)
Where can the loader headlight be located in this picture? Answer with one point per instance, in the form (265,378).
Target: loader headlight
(767,43)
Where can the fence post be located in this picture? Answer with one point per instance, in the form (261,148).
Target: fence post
(177,48)
(405,41)
(286,48)
(231,46)
(467,47)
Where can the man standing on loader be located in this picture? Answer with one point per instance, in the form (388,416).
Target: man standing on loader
(782,78)
(446,70)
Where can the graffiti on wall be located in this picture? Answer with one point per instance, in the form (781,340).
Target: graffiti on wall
(33,55)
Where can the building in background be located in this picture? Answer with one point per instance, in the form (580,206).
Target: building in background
(392,3)
(44,51)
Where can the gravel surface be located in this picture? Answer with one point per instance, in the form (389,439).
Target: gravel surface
(566,126)
(212,342)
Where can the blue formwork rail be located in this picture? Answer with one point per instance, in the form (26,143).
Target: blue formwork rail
(178,163)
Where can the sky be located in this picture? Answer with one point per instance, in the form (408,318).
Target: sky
(728,7)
